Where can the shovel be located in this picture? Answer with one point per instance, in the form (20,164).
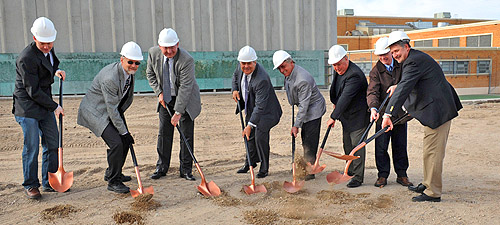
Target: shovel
(60,180)
(316,168)
(252,188)
(207,189)
(140,189)
(294,186)
(336,177)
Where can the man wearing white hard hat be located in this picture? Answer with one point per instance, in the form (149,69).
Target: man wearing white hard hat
(429,98)
(170,73)
(34,107)
(348,95)
(253,90)
(302,91)
(383,78)
(103,107)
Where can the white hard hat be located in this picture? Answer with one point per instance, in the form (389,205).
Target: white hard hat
(381,47)
(43,29)
(247,54)
(132,51)
(279,57)
(168,37)
(335,54)
(396,36)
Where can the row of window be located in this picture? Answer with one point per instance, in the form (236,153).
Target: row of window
(471,41)
(449,67)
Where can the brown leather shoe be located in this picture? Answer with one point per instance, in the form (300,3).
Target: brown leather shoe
(32,193)
(381,181)
(404,181)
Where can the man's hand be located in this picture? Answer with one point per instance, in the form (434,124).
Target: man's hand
(61,74)
(236,96)
(59,110)
(160,99)
(247,131)
(175,119)
(374,114)
(330,123)
(387,122)
(128,137)
(294,131)
(333,106)
(391,89)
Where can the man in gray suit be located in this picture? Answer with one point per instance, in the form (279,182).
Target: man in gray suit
(170,73)
(103,107)
(253,90)
(301,90)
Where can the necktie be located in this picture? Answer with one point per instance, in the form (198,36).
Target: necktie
(167,93)
(127,85)
(245,85)
(48,58)
(390,68)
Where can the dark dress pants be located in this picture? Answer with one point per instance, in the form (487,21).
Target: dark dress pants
(116,154)
(351,140)
(310,139)
(165,140)
(258,148)
(398,138)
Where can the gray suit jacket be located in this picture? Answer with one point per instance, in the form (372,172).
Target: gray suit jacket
(100,104)
(186,87)
(301,90)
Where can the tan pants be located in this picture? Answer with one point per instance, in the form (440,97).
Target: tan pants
(433,155)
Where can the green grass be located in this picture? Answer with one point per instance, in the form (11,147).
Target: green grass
(474,97)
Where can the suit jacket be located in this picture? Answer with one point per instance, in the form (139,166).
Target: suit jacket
(35,75)
(264,109)
(380,80)
(186,88)
(102,100)
(425,92)
(350,99)
(301,90)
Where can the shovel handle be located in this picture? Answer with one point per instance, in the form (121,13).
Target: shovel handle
(293,136)
(60,115)
(245,138)
(373,121)
(183,138)
(132,153)
(326,137)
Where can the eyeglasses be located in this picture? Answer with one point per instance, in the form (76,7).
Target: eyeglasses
(132,62)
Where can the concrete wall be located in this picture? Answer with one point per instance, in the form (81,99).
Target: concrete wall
(202,25)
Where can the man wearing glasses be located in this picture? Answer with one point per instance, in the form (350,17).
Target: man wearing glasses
(102,111)
(170,73)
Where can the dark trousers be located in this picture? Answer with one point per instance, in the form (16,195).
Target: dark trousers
(165,140)
(116,154)
(258,148)
(310,139)
(398,138)
(351,140)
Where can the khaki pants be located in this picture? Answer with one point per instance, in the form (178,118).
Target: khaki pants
(433,156)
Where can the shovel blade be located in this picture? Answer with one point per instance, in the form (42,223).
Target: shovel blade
(60,180)
(341,156)
(253,189)
(213,188)
(139,191)
(203,189)
(314,169)
(292,187)
(337,178)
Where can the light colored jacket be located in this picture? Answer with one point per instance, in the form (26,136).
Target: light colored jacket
(301,90)
(100,104)
(186,88)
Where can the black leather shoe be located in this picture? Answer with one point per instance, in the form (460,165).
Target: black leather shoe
(243,169)
(48,189)
(353,184)
(419,188)
(309,177)
(157,174)
(123,178)
(262,175)
(425,198)
(188,176)
(381,181)
(118,187)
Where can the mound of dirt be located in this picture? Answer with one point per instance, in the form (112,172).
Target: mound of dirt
(226,200)
(382,202)
(128,217)
(58,211)
(300,167)
(335,197)
(144,202)
(261,217)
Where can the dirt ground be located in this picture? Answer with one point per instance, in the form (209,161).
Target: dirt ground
(470,193)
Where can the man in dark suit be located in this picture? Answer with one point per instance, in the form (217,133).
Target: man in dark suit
(348,95)
(103,107)
(34,108)
(383,77)
(170,73)
(253,90)
(429,98)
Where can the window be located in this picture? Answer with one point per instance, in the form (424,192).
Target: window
(447,67)
(455,67)
(376,31)
(423,43)
(483,66)
(345,46)
(449,42)
(365,67)
(479,41)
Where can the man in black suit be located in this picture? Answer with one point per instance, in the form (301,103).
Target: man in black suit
(253,90)
(429,98)
(34,107)
(348,95)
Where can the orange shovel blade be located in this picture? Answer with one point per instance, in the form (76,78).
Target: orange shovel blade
(292,187)
(340,156)
(337,178)
(314,169)
(213,188)
(252,189)
(60,180)
(148,190)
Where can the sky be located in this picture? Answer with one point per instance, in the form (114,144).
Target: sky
(464,9)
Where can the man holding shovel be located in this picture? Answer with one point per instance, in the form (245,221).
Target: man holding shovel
(103,107)
(34,107)
(301,90)
(383,78)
